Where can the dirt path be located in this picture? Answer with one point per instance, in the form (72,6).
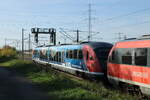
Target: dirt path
(15,87)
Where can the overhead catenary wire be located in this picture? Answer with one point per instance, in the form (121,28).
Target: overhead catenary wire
(133,24)
(125,15)
(91,35)
(66,35)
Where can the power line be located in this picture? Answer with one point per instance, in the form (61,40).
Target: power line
(92,35)
(65,33)
(135,24)
(124,15)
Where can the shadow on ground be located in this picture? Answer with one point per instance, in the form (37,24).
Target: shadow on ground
(15,87)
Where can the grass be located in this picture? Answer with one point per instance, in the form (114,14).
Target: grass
(63,87)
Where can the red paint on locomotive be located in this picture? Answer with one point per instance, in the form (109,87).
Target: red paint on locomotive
(91,59)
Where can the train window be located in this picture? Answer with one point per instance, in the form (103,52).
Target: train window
(35,53)
(70,54)
(55,57)
(46,57)
(59,57)
(62,59)
(141,56)
(127,56)
(75,53)
(52,58)
(80,55)
(41,55)
(113,56)
(67,54)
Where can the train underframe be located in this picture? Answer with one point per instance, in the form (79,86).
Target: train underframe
(133,89)
(70,70)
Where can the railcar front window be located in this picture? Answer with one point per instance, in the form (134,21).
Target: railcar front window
(113,56)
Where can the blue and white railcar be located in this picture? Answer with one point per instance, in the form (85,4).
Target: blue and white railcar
(86,59)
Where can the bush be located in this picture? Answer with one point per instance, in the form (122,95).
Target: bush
(8,52)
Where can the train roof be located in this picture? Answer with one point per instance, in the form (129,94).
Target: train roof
(98,44)
(141,38)
(136,43)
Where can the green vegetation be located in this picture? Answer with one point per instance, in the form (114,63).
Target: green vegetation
(7,53)
(62,87)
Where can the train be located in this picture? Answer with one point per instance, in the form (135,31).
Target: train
(128,65)
(84,59)
(125,64)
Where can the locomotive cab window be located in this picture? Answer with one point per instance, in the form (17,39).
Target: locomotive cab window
(112,57)
(115,56)
(141,56)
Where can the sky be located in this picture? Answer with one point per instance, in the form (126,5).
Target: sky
(109,17)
